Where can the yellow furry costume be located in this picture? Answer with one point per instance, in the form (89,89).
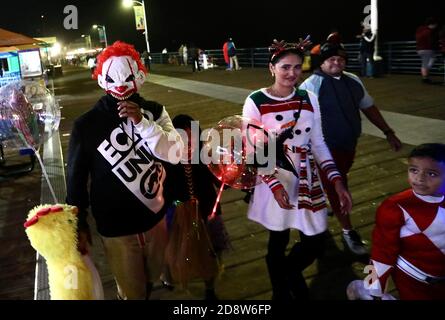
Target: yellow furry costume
(52,231)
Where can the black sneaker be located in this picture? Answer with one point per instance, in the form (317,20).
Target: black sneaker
(210,295)
(354,243)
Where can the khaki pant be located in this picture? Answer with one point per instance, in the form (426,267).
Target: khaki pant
(136,261)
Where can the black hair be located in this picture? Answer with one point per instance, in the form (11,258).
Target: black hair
(435,151)
(182,121)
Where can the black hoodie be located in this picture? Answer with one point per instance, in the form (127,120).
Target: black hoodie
(123,164)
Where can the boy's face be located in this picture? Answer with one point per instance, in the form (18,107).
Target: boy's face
(426,176)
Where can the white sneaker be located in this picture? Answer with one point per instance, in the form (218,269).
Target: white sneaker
(356,291)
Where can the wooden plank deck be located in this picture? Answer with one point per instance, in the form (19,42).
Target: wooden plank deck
(376,174)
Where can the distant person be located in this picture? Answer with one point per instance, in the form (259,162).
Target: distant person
(203,58)
(426,43)
(226,55)
(92,64)
(165,58)
(185,56)
(367,41)
(408,238)
(194,57)
(181,55)
(146,59)
(342,96)
(231,49)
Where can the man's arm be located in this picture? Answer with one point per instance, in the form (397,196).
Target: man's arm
(162,138)
(376,118)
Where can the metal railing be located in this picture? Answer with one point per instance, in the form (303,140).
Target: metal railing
(398,57)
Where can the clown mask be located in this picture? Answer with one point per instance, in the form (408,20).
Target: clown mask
(121,77)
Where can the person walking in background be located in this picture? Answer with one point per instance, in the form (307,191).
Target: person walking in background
(292,197)
(92,64)
(226,55)
(185,55)
(231,50)
(194,58)
(367,40)
(342,96)
(181,55)
(426,44)
(146,59)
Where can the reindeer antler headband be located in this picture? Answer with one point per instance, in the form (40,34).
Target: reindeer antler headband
(278,47)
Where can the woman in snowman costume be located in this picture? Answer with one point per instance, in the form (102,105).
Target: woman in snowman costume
(292,197)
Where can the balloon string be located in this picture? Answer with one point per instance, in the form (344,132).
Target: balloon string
(218,198)
(45,174)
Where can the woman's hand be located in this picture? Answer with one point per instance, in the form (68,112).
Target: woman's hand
(131,110)
(344,196)
(282,198)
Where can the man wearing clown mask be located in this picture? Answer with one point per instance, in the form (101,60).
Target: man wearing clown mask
(114,165)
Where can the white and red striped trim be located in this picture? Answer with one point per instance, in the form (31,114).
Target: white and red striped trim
(284,106)
(272,182)
(330,170)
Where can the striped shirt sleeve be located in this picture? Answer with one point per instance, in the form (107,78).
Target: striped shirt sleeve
(272,182)
(330,170)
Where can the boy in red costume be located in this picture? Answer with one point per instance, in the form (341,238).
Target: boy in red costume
(409,236)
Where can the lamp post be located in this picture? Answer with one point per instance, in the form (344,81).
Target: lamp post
(87,40)
(129,3)
(97,26)
(375,27)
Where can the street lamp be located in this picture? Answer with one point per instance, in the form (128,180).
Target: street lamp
(375,27)
(87,40)
(97,26)
(128,4)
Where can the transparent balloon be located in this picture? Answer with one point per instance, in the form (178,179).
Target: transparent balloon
(232,146)
(29,114)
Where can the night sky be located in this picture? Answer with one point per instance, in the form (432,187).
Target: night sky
(208,23)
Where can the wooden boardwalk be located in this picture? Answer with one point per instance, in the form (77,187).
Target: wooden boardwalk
(376,174)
